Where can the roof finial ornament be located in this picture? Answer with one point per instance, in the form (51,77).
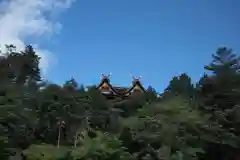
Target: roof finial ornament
(136,79)
(104,76)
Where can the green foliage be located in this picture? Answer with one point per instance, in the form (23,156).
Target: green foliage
(44,152)
(186,122)
(151,94)
(171,127)
(102,146)
(221,89)
(180,85)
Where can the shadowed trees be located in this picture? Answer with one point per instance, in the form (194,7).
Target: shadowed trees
(51,121)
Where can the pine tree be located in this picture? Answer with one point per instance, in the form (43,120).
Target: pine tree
(220,89)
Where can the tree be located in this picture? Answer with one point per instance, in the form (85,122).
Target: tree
(180,85)
(221,89)
(151,94)
(20,67)
(224,62)
(31,66)
(172,129)
(71,84)
(187,122)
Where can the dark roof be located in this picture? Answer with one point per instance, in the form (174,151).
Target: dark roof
(135,83)
(121,91)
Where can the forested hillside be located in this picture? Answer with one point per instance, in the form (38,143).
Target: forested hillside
(46,121)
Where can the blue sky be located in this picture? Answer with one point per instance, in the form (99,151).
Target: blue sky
(156,39)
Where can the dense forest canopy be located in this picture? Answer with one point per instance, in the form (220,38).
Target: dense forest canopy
(47,121)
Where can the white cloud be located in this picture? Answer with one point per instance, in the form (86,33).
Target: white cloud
(20,19)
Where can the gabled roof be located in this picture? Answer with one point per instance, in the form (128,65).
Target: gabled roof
(121,91)
(136,82)
(106,80)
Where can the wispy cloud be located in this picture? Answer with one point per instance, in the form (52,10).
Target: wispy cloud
(20,19)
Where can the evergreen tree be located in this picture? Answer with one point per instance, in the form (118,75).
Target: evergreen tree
(181,85)
(187,122)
